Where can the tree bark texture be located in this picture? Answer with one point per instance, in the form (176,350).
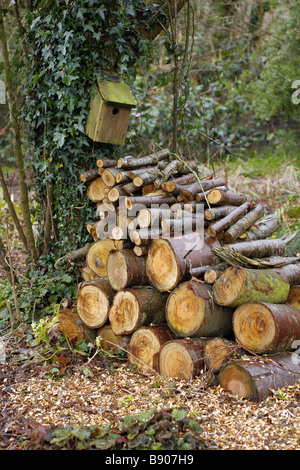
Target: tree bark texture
(125,269)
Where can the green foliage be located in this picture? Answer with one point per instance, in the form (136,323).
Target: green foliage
(147,430)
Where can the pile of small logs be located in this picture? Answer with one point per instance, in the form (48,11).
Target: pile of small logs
(222,302)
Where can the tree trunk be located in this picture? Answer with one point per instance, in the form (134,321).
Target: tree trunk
(136,307)
(109,340)
(260,248)
(131,163)
(191,311)
(262,327)
(263,229)
(229,198)
(218,212)
(145,345)
(228,220)
(294,297)
(93,302)
(238,285)
(257,378)
(169,260)
(125,269)
(192,190)
(97,255)
(241,225)
(182,358)
(219,350)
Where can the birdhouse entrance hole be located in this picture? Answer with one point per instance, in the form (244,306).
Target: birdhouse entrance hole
(115,111)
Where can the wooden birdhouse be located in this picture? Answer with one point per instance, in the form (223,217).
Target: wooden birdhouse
(110,109)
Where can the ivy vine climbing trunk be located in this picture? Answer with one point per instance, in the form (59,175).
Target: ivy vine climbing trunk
(19,159)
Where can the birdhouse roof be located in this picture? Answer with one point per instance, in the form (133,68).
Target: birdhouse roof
(116,92)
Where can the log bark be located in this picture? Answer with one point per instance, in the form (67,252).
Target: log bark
(89,175)
(171,185)
(228,220)
(170,260)
(256,378)
(182,358)
(135,307)
(106,163)
(191,311)
(242,225)
(218,212)
(93,302)
(291,273)
(294,297)
(109,340)
(130,163)
(262,229)
(203,195)
(96,190)
(259,248)
(221,197)
(79,253)
(238,285)
(172,168)
(148,201)
(145,345)
(262,327)
(189,193)
(97,255)
(144,179)
(125,269)
(219,350)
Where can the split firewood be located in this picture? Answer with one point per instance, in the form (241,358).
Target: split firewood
(182,358)
(238,285)
(89,175)
(242,225)
(109,340)
(255,378)
(265,327)
(130,163)
(229,198)
(145,345)
(135,307)
(169,260)
(93,302)
(125,269)
(190,192)
(228,220)
(191,311)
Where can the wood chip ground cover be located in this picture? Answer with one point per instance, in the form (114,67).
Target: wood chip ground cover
(102,391)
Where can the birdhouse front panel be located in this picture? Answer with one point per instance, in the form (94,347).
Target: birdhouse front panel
(109,112)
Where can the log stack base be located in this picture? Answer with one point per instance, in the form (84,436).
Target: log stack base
(172,302)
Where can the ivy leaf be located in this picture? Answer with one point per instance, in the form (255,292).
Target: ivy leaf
(59,138)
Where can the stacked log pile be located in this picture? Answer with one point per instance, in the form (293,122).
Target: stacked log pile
(222,302)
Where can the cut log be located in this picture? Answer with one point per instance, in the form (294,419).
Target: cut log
(152,217)
(218,212)
(79,253)
(259,248)
(148,201)
(144,179)
(257,378)
(135,307)
(97,255)
(70,324)
(238,285)
(172,168)
(93,302)
(106,163)
(262,229)
(96,190)
(294,297)
(87,274)
(219,350)
(144,236)
(116,192)
(124,244)
(109,176)
(228,220)
(125,269)
(214,272)
(203,195)
(221,197)
(291,273)
(140,250)
(171,185)
(191,311)
(109,340)
(145,344)
(262,327)
(89,175)
(170,260)
(183,226)
(130,163)
(182,358)
(242,225)
(189,193)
